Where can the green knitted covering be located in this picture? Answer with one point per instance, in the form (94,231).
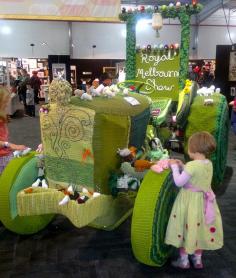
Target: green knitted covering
(138,129)
(67,135)
(185,104)
(110,133)
(81,138)
(213,119)
(160,251)
(150,217)
(46,201)
(182,13)
(115,105)
(182,115)
(28,173)
(20,225)
(164,105)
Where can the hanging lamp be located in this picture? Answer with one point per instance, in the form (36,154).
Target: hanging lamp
(157,22)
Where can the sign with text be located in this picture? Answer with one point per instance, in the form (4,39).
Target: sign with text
(160,73)
(77,10)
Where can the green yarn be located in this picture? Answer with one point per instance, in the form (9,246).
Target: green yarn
(182,13)
(110,133)
(29,172)
(115,106)
(213,119)
(20,225)
(150,217)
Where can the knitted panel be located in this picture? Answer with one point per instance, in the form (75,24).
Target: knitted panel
(20,225)
(213,119)
(70,171)
(150,216)
(138,128)
(67,133)
(163,104)
(45,201)
(160,251)
(115,105)
(110,133)
(26,176)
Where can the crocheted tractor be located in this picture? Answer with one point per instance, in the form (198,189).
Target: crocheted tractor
(80,140)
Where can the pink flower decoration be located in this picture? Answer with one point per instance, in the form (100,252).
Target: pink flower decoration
(212,230)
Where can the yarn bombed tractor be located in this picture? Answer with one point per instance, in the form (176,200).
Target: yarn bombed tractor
(80,140)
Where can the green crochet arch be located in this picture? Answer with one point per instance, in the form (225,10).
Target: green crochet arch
(213,119)
(20,225)
(151,213)
(183,13)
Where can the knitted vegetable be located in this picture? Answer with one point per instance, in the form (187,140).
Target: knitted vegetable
(126,168)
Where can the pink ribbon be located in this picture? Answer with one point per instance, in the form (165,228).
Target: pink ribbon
(209,198)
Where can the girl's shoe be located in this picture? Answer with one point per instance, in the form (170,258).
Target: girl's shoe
(197,261)
(182,263)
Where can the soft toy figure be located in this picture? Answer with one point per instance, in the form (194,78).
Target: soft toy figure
(86,96)
(21,153)
(44,109)
(142,165)
(126,155)
(125,91)
(107,92)
(114,89)
(78,92)
(80,197)
(127,182)
(41,178)
(129,170)
(94,92)
(157,152)
(160,166)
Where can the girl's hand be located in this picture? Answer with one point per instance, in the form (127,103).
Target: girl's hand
(180,163)
(17,147)
(172,161)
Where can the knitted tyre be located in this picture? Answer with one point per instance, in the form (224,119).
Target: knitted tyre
(151,213)
(19,169)
(214,119)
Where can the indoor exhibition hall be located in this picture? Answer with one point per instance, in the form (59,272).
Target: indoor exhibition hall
(118,139)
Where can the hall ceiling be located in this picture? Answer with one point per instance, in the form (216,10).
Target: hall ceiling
(158,2)
(210,6)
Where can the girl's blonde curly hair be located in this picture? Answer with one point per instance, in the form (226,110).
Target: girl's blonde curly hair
(4,99)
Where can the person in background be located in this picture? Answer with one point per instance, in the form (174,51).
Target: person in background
(30,100)
(35,84)
(6,148)
(94,86)
(233,115)
(195,222)
(106,80)
(22,88)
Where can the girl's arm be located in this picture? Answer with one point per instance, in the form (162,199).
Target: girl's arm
(180,179)
(11,146)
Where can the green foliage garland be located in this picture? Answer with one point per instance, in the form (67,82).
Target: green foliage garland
(183,13)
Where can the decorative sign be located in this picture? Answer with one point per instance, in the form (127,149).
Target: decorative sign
(159,70)
(232,66)
(76,10)
(59,71)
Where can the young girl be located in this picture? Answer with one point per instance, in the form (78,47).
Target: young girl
(6,148)
(195,221)
(233,115)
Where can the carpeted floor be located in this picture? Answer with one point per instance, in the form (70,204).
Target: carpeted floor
(61,250)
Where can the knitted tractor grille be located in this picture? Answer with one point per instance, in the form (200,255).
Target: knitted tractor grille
(151,213)
(213,119)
